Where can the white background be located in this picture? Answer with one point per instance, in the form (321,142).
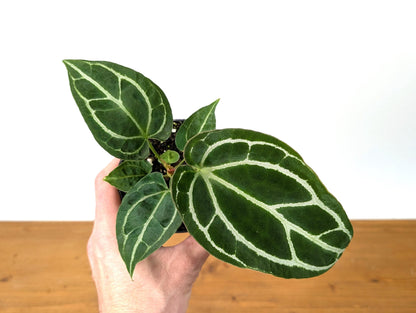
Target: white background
(335,80)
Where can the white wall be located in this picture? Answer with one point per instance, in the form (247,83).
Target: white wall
(335,81)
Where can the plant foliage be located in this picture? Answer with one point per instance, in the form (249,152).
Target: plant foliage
(246,197)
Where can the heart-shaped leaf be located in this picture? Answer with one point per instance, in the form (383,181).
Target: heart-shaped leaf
(146,219)
(250,200)
(201,120)
(121,107)
(128,173)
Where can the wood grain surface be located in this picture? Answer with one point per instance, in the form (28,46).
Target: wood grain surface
(44,268)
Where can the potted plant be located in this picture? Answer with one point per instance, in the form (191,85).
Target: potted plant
(248,198)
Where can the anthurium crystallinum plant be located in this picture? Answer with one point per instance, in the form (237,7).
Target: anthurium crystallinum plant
(248,198)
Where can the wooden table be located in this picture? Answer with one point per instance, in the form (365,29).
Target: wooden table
(44,268)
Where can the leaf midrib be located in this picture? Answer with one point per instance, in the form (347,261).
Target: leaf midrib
(294,261)
(276,167)
(111,97)
(140,237)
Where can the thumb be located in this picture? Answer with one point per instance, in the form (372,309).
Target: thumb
(107,199)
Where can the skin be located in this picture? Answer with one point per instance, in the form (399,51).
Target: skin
(161,283)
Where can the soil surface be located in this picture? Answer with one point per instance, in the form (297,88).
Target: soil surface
(163,146)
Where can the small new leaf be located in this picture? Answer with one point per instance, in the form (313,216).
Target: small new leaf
(201,120)
(128,173)
(170,156)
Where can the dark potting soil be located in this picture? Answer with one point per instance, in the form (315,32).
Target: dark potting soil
(163,146)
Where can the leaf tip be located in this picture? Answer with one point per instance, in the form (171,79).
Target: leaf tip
(68,63)
(131,272)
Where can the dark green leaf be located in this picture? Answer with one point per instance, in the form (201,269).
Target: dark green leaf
(147,217)
(201,120)
(128,173)
(121,107)
(250,200)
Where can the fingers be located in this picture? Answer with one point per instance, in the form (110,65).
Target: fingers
(107,199)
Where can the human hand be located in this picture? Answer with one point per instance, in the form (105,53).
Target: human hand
(161,283)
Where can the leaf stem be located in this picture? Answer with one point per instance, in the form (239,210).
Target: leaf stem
(153,150)
(180,163)
(167,166)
